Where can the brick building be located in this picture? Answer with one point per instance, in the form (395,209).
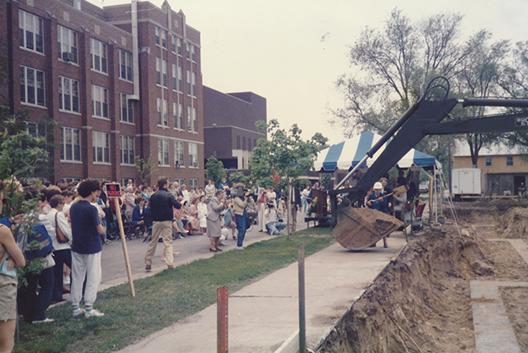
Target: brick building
(114,93)
(503,169)
(230,125)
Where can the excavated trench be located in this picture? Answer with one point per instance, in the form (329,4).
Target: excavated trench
(421,301)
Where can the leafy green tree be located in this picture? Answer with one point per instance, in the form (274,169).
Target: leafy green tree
(238,177)
(285,155)
(395,63)
(214,170)
(21,155)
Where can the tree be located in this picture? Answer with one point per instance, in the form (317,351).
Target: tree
(479,77)
(514,81)
(397,62)
(21,155)
(144,168)
(285,154)
(214,170)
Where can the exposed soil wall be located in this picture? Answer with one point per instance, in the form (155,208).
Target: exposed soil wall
(419,303)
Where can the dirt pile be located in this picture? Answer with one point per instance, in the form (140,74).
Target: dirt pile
(419,303)
(515,223)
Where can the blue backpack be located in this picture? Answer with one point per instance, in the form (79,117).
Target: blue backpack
(39,243)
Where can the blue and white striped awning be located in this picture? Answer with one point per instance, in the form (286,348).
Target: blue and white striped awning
(347,154)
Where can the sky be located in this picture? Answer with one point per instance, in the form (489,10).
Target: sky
(292,51)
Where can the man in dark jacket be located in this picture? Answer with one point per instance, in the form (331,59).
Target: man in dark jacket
(162,204)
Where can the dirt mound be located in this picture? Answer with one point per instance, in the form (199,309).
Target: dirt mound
(515,223)
(419,303)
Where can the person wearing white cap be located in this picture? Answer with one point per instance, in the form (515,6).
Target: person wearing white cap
(377,199)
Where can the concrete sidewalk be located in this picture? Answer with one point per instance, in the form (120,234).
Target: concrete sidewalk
(264,314)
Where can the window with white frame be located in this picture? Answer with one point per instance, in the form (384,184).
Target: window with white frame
(193,183)
(177,115)
(101,147)
(193,154)
(161,72)
(31,31)
(70,145)
(188,77)
(174,44)
(180,74)
(32,85)
(125,65)
(179,46)
(163,35)
(98,50)
(157,35)
(178,154)
(68,94)
(127,150)
(163,152)
(174,72)
(67,44)
(36,129)
(192,53)
(193,120)
(161,108)
(189,119)
(99,101)
(127,111)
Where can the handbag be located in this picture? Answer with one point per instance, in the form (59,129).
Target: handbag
(61,237)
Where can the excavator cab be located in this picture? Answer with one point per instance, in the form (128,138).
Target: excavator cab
(356,227)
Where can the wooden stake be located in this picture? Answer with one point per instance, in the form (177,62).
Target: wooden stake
(125,250)
(222,297)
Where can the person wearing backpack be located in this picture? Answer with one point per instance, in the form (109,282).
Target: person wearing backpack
(35,298)
(59,230)
(86,249)
(10,257)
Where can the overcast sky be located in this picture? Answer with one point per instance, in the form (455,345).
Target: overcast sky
(275,47)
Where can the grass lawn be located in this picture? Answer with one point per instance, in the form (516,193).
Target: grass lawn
(164,298)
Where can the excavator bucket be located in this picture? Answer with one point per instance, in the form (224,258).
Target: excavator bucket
(359,228)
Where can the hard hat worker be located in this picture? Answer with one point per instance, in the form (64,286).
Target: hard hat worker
(377,199)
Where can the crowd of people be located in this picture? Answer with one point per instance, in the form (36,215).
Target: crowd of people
(79,219)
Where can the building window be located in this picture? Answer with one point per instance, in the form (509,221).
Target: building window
(71,145)
(101,147)
(180,74)
(163,152)
(193,154)
(488,161)
(161,37)
(31,31)
(127,111)
(188,77)
(157,35)
(179,47)
(127,150)
(100,101)
(161,108)
(161,72)
(67,44)
(509,160)
(192,53)
(178,154)
(36,130)
(68,95)
(32,86)
(125,65)
(193,120)
(177,114)
(189,119)
(99,56)
(193,183)
(175,83)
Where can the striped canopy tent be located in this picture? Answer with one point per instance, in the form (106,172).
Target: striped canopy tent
(347,154)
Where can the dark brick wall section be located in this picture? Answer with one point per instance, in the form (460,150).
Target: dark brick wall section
(112,26)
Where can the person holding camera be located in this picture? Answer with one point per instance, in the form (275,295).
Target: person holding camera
(274,224)
(239,207)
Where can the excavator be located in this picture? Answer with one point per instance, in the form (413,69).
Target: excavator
(357,228)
